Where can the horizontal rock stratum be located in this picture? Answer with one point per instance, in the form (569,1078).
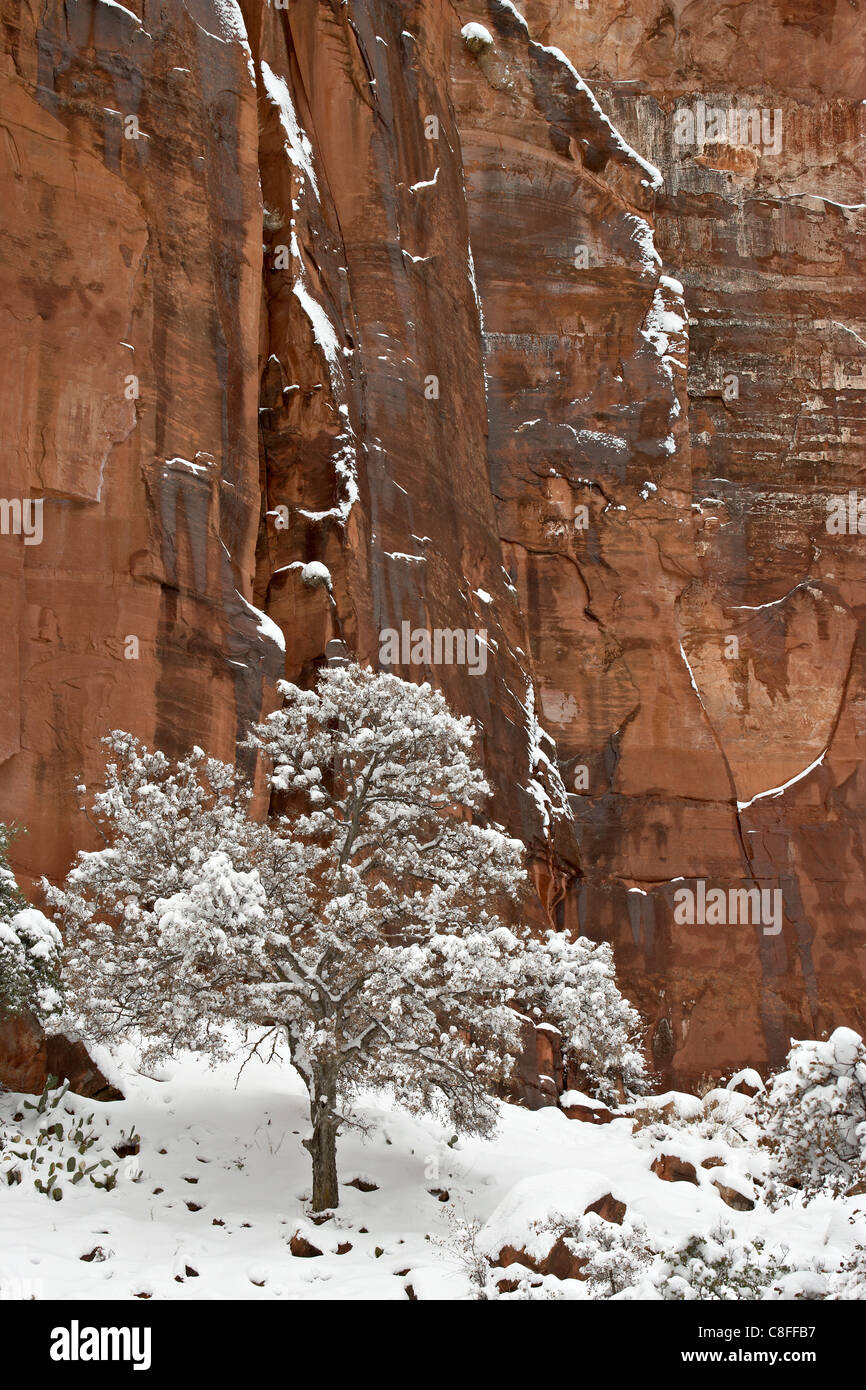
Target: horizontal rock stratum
(553,329)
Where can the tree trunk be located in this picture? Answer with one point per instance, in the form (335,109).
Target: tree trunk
(323,1151)
(322,1147)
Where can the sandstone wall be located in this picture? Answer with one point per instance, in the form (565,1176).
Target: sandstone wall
(358,294)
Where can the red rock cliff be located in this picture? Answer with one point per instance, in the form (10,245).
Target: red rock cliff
(489,339)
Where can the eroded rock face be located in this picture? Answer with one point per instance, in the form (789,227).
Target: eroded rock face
(503,351)
(131,296)
(765,235)
(373,416)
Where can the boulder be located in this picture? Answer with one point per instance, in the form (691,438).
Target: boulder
(609,1208)
(732,1198)
(670,1168)
(559,1260)
(303,1248)
(29,1056)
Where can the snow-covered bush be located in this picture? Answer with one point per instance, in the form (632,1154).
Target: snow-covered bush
(848,1282)
(720,1266)
(29,948)
(601,1033)
(618,1257)
(462,1246)
(476,38)
(813,1115)
(53,1144)
(360,925)
(722,1116)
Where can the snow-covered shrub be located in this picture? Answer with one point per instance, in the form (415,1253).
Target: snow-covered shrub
(601,1039)
(849,1280)
(29,948)
(618,1257)
(607,1258)
(53,1144)
(720,1266)
(360,925)
(462,1246)
(722,1116)
(476,38)
(317,576)
(813,1115)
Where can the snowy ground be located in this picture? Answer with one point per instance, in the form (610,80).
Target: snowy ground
(220,1185)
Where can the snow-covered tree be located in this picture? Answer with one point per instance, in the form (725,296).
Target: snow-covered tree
(813,1114)
(362,924)
(29,948)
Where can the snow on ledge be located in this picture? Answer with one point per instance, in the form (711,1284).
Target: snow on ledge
(569,1098)
(297,144)
(266,626)
(513,10)
(777,791)
(113,5)
(654,177)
